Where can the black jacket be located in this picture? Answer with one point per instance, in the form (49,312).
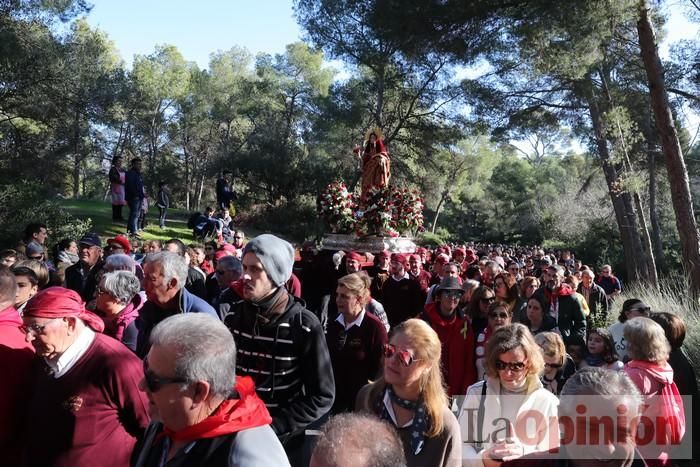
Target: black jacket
(288,360)
(80,281)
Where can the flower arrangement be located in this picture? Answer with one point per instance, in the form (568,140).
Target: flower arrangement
(377,218)
(388,211)
(336,206)
(408,210)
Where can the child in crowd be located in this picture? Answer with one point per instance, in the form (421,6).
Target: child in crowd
(600,351)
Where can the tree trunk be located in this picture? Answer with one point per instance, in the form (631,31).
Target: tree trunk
(443,197)
(653,210)
(621,208)
(675,165)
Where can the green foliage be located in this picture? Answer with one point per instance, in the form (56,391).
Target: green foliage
(24,203)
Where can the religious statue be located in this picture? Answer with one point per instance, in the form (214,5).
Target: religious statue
(376,166)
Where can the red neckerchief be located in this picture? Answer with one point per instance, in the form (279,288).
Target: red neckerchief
(231,416)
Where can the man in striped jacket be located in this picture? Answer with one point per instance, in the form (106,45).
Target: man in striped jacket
(280,343)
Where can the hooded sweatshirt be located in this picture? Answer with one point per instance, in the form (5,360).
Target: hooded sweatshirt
(457,338)
(655,382)
(232,435)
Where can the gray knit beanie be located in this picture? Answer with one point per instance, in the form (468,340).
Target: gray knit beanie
(276,256)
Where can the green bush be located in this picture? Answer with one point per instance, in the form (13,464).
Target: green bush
(25,203)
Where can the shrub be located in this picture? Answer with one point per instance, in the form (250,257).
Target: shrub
(24,203)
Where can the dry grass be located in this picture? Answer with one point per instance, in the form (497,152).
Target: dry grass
(672,297)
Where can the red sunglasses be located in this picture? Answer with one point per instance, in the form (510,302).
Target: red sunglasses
(405,356)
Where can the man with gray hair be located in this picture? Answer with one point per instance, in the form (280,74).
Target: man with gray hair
(354,439)
(281,344)
(165,278)
(590,399)
(201,413)
(596,299)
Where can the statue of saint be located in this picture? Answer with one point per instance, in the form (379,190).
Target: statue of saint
(376,166)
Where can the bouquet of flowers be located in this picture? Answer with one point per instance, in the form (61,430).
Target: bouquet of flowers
(407,210)
(377,218)
(336,206)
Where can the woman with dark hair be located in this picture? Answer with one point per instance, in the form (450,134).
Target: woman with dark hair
(631,308)
(65,254)
(527,288)
(506,288)
(538,319)
(117,178)
(478,308)
(683,370)
(498,317)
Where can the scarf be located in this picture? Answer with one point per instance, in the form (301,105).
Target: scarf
(270,308)
(233,415)
(420,417)
(594,360)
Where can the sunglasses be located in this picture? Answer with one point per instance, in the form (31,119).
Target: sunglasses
(515,367)
(36,257)
(498,315)
(643,310)
(554,366)
(405,356)
(453,295)
(488,300)
(155,383)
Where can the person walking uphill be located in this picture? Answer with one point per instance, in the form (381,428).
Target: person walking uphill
(280,343)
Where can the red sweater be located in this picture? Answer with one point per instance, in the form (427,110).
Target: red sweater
(16,357)
(92,415)
(457,337)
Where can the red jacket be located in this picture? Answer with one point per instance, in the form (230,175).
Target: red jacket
(457,339)
(16,357)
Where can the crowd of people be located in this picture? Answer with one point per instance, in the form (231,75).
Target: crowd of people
(154,353)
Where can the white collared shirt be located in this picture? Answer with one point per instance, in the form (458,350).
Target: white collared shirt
(405,276)
(390,410)
(357,322)
(72,354)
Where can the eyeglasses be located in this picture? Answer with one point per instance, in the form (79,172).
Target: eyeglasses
(404,355)
(498,315)
(155,383)
(454,295)
(35,329)
(554,366)
(515,367)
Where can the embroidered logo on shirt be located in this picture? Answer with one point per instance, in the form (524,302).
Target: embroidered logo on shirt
(73,404)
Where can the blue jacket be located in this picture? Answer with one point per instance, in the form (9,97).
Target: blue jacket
(133,185)
(151,314)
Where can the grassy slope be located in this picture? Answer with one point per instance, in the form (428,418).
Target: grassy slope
(100,212)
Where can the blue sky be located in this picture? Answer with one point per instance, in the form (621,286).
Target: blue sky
(197,28)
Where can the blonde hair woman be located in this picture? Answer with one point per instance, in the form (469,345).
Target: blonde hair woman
(511,389)
(650,371)
(558,365)
(356,341)
(411,396)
